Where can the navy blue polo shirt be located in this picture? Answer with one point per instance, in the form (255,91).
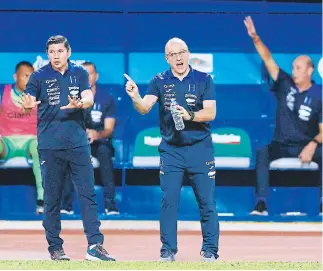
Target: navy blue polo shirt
(189,93)
(104,107)
(59,129)
(298,113)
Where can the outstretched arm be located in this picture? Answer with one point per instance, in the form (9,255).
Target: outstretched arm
(262,49)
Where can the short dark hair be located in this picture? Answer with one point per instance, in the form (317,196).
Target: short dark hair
(89,63)
(23,63)
(57,40)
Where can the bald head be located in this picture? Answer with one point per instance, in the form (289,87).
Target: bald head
(173,43)
(303,68)
(177,56)
(305,59)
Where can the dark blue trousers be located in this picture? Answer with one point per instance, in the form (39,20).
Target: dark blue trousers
(274,151)
(197,161)
(104,152)
(55,164)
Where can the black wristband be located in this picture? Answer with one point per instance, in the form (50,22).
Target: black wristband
(314,140)
(192,114)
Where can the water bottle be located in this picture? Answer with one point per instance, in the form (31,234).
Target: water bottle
(178,120)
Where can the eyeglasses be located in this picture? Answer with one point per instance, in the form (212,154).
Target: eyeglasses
(174,55)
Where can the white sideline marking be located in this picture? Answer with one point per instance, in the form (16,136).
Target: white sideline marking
(182,225)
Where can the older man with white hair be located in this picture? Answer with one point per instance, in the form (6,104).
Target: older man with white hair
(186,105)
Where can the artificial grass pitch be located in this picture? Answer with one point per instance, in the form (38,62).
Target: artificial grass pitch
(150,265)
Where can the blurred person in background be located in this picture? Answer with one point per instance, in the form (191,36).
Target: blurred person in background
(99,121)
(298,130)
(18,130)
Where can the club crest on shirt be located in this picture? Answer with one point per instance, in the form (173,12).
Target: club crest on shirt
(191,87)
(74,91)
(190,99)
(304,112)
(96,116)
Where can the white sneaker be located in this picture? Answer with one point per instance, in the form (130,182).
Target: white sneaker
(40,209)
(260,209)
(63,211)
(40,206)
(112,212)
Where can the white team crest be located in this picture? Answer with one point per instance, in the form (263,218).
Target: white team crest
(304,112)
(96,116)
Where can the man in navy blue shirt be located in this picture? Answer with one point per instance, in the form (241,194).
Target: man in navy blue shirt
(99,123)
(298,131)
(61,90)
(188,151)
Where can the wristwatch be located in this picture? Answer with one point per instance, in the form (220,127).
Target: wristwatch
(192,114)
(314,140)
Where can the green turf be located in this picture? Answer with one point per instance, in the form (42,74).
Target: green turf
(85,265)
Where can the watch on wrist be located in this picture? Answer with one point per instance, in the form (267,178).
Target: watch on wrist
(192,114)
(314,140)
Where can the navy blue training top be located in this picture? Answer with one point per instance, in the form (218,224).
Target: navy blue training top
(59,129)
(298,113)
(104,107)
(189,93)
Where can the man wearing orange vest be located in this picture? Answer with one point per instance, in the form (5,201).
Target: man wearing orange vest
(18,130)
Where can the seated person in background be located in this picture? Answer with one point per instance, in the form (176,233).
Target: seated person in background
(18,130)
(100,122)
(298,131)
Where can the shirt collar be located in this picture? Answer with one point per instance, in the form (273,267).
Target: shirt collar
(18,93)
(69,67)
(170,74)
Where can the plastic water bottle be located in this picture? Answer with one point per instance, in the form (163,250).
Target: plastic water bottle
(178,120)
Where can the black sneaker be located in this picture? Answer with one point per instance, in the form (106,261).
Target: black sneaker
(167,256)
(40,207)
(260,209)
(59,255)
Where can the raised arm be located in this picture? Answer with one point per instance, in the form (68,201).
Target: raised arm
(262,49)
(142,105)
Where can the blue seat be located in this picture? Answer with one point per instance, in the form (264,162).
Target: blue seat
(135,126)
(244,107)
